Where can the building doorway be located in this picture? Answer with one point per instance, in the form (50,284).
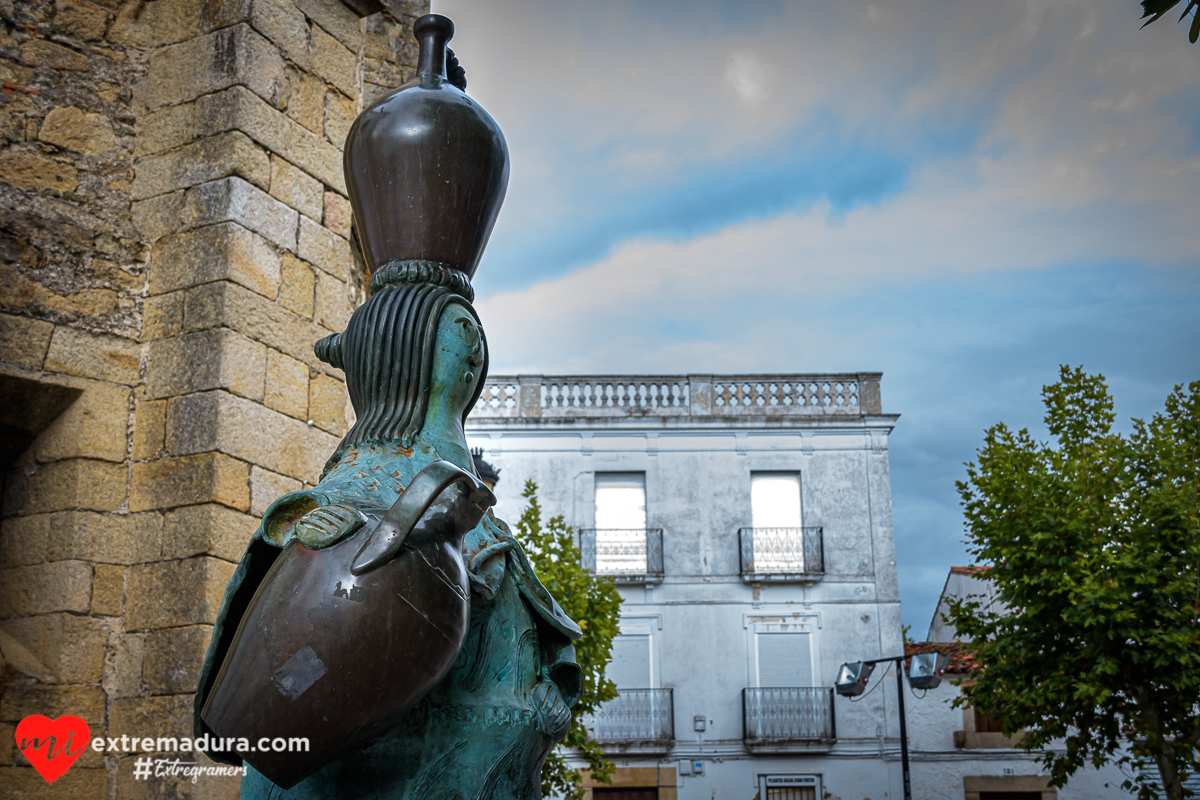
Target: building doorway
(623,793)
(1010,796)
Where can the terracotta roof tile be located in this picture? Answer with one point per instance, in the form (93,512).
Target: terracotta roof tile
(973,569)
(962,655)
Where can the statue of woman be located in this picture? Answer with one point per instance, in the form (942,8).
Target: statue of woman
(431,586)
(415,359)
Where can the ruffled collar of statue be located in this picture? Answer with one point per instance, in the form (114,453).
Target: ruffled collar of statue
(397,272)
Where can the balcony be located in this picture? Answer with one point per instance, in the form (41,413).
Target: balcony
(636,721)
(630,555)
(782,554)
(788,719)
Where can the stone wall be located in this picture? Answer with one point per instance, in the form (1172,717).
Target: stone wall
(174,236)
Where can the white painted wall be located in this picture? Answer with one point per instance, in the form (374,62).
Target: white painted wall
(961,584)
(703,616)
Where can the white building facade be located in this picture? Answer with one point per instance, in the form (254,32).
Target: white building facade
(747,520)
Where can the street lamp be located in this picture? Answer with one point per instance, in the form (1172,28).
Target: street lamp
(925,672)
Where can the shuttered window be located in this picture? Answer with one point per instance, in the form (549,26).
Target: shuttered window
(784,659)
(630,665)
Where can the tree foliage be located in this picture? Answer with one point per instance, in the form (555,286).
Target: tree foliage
(1095,547)
(594,604)
(1156,9)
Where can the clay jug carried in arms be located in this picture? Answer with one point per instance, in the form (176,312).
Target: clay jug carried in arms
(380,616)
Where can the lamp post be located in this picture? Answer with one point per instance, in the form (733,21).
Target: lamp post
(925,673)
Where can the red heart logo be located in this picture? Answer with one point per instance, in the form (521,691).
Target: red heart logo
(50,744)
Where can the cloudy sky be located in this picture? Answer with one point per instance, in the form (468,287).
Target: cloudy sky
(961,195)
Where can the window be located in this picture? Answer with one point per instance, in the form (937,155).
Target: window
(621,500)
(775,514)
(789,787)
(630,666)
(621,523)
(775,500)
(639,712)
(791,793)
(986,724)
(784,659)
(785,705)
(620,793)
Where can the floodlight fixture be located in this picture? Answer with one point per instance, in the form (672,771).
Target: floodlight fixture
(852,678)
(926,670)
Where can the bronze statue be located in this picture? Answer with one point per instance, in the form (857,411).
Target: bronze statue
(386,614)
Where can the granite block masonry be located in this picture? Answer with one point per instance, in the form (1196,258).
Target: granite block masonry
(174,236)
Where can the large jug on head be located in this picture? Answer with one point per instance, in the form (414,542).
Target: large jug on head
(426,166)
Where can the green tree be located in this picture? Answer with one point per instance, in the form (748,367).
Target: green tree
(1155,9)
(594,604)
(1095,547)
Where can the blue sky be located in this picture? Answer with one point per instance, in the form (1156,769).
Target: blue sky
(961,195)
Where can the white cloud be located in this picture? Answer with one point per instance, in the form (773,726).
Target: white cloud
(611,314)
(1061,104)
(749,77)
(1040,134)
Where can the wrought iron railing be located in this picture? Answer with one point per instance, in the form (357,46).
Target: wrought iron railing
(636,715)
(788,714)
(624,553)
(557,396)
(782,552)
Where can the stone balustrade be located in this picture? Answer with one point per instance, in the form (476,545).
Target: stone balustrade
(595,396)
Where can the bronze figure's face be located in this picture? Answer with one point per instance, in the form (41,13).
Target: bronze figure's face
(458,361)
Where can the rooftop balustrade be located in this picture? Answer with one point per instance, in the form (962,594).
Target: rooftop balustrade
(683,396)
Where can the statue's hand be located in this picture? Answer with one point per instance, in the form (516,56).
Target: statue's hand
(327,525)
(467,499)
(554,718)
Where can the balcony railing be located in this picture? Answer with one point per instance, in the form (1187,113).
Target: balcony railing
(637,715)
(596,396)
(631,555)
(780,554)
(776,715)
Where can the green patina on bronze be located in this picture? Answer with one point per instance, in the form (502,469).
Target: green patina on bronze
(312,608)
